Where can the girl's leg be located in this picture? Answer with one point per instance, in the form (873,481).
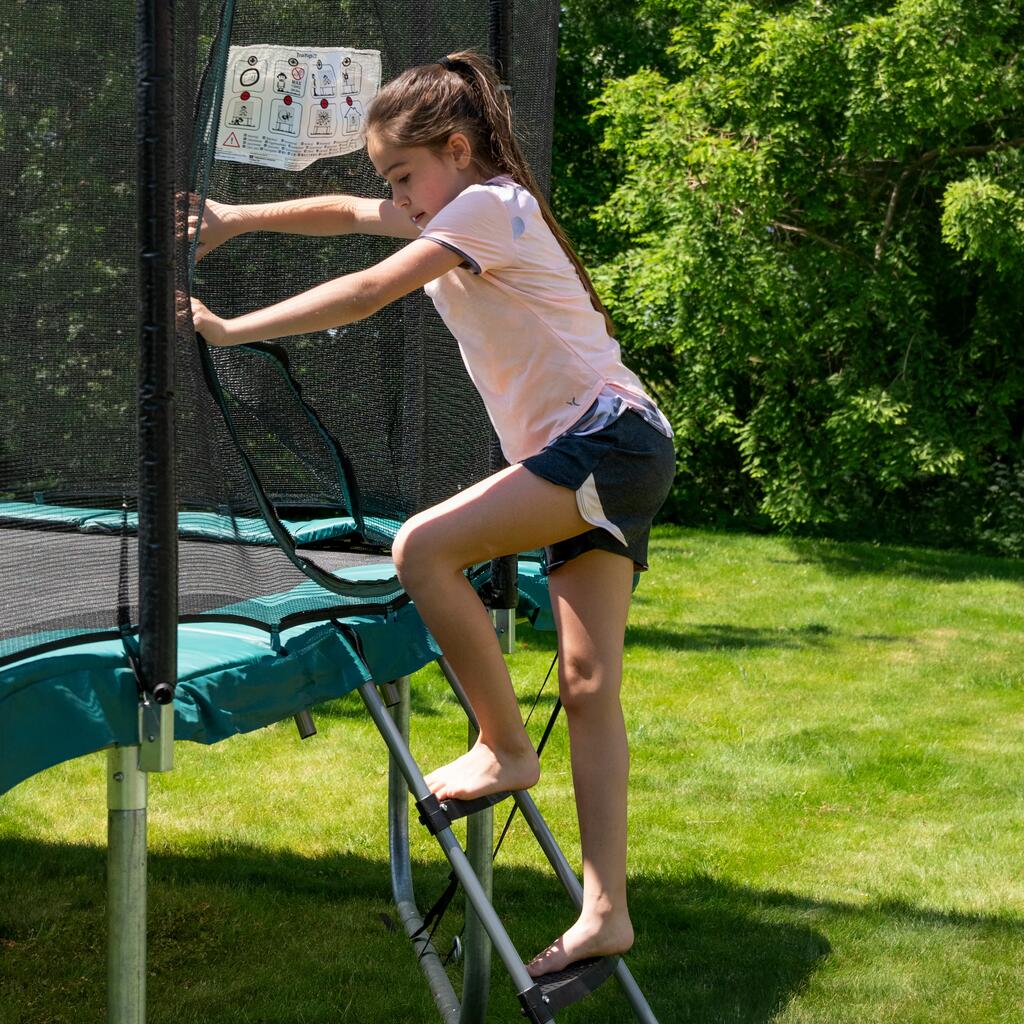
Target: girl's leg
(512,511)
(590,598)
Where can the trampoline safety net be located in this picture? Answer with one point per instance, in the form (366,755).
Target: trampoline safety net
(325,442)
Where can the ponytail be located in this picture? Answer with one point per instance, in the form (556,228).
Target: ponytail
(424,105)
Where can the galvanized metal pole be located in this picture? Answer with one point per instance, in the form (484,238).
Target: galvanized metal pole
(401,871)
(476,977)
(126,887)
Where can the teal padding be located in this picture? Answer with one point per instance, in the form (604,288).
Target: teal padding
(534,597)
(233,679)
(198,525)
(394,646)
(377,580)
(212,526)
(14,644)
(28,511)
(316,530)
(59,706)
(383,531)
(241,683)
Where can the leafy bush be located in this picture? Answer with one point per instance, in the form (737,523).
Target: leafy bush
(813,218)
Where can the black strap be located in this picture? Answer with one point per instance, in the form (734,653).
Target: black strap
(433,916)
(540,748)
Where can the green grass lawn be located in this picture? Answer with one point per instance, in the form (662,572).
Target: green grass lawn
(827,797)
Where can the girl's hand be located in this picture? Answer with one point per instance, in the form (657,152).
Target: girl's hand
(213,329)
(221,222)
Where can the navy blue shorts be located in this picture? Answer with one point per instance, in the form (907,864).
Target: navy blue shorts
(621,475)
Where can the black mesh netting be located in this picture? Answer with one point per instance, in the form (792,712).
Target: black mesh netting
(370,422)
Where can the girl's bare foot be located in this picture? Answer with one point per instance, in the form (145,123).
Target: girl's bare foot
(589,936)
(481,771)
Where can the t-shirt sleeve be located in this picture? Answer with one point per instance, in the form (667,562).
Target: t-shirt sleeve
(477,225)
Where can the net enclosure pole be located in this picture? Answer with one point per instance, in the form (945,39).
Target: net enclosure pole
(158,525)
(502,593)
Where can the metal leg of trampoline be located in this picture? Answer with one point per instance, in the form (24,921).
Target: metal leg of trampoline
(453,851)
(401,870)
(558,862)
(126,887)
(476,946)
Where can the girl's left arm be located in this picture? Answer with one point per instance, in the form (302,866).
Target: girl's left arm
(334,303)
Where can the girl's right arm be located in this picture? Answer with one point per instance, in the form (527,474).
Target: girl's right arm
(317,215)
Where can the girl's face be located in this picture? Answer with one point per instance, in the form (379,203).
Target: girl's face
(423,181)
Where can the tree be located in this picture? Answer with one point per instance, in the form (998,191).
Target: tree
(818,263)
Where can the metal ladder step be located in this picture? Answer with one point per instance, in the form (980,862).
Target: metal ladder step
(560,989)
(452,809)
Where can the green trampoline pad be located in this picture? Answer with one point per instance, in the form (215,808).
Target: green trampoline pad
(232,679)
(196,525)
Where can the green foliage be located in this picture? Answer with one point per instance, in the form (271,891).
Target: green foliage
(816,220)
(983,214)
(598,43)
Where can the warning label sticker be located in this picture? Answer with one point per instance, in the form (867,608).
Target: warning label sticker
(287,107)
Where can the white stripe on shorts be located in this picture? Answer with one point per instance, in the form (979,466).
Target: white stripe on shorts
(589,504)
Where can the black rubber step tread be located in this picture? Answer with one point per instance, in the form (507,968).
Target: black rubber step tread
(563,988)
(456,809)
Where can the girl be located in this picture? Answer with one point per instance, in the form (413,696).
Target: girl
(591,457)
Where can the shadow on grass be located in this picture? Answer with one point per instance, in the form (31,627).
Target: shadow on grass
(242,933)
(702,954)
(850,559)
(710,636)
(726,636)
(716,636)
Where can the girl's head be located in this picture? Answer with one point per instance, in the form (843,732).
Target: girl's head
(456,112)
(426,105)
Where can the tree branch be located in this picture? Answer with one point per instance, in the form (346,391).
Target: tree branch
(918,165)
(820,239)
(934,154)
(890,212)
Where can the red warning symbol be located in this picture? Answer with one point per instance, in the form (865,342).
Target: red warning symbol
(232,140)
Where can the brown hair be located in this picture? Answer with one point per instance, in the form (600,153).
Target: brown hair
(425,104)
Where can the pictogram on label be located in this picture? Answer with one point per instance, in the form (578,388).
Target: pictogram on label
(281,104)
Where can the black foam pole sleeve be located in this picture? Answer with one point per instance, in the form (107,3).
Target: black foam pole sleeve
(158,520)
(503,589)
(499,37)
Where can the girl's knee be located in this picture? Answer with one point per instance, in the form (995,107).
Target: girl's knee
(586,682)
(417,552)
(406,551)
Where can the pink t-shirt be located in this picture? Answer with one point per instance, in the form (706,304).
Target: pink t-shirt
(534,346)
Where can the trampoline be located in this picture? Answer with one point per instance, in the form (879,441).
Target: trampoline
(194,543)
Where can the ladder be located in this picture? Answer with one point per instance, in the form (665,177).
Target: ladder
(540,998)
